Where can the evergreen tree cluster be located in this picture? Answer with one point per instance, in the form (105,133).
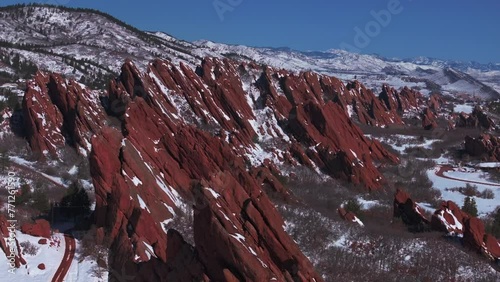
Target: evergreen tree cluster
(470,206)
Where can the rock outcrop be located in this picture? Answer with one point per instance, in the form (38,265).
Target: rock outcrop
(40,228)
(486,146)
(406,209)
(428,119)
(144,174)
(171,136)
(403,101)
(349,216)
(58,112)
(435,102)
(449,218)
(476,238)
(477,119)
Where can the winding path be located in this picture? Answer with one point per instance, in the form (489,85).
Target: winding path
(69,254)
(445,168)
(32,170)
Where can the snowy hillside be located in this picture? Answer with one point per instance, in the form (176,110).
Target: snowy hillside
(91,46)
(426,75)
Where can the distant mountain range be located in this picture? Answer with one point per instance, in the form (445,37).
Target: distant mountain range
(91,46)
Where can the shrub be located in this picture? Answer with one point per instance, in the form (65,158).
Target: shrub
(4,162)
(77,200)
(487,194)
(470,206)
(40,202)
(354,206)
(28,248)
(25,194)
(470,190)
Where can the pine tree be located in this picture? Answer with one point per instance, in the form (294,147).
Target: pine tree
(470,206)
(76,199)
(40,200)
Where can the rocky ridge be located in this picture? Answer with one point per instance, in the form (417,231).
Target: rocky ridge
(172,140)
(452,221)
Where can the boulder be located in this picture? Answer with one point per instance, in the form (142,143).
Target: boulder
(349,216)
(41,266)
(449,218)
(41,228)
(406,209)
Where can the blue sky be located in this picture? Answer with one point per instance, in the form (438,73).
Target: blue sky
(447,29)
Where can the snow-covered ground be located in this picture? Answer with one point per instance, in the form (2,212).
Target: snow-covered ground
(402,142)
(86,270)
(50,256)
(484,206)
(463,108)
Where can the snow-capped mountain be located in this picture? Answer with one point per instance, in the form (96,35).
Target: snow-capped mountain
(91,46)
(424,74)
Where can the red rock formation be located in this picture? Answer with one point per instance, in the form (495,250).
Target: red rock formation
(42,241)
(474,233)
(403,101)
(248,229)
(434,103)
(369,109)
(59,111)
(41,266)
(158,151)
(449,218)
(406,209)
(477,119)
(485,146)
(143,171)
(428,119)
(41,228)
(349,216)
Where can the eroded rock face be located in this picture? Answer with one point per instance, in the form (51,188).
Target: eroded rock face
(208,136)
(403,101)
(428,119)
(449,218)
(434,103)
(158,150)
(349,216)
(41,228)
(406,209)
(59,111)
(485,146)
(477,119)
(249,229)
